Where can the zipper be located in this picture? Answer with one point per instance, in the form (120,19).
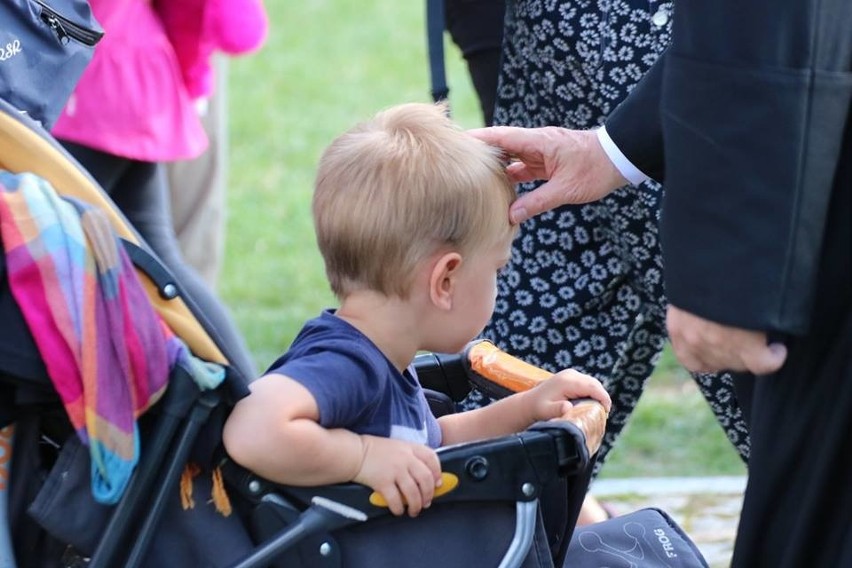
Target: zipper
(66,29)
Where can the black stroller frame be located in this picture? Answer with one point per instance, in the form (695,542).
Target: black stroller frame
(511,483)
(513,469)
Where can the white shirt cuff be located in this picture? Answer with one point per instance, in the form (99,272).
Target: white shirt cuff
(625,167)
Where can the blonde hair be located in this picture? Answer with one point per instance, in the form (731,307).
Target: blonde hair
(395,189)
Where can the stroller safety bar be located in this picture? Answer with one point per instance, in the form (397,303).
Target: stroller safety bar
(496,373)
(511,469)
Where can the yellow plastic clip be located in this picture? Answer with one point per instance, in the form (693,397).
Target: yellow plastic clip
(449,482)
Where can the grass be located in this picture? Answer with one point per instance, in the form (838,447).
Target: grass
(672,432)
(326,65)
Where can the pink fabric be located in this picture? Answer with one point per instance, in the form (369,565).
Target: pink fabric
(131,101)
(199,28)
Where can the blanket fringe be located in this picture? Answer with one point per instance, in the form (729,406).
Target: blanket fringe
(219,496)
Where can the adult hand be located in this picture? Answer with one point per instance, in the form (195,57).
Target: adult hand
(573,161)
(705,346)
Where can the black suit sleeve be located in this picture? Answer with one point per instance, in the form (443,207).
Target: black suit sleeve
(750,118)
(634,126)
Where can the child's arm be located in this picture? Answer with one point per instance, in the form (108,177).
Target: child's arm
(548,400)
(274,432)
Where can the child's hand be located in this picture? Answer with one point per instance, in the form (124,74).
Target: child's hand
(550,398)
(405,473)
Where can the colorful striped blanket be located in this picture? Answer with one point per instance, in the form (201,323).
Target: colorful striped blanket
(107,351)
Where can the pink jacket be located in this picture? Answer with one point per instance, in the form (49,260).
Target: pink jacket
(134,98)
(198,28)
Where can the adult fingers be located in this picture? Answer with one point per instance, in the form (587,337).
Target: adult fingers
(761,360)
(764,359)
(544,198)
(727,349)
(512,139)
(519,172)
(530,151)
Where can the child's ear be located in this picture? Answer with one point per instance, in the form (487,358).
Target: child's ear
(442,280)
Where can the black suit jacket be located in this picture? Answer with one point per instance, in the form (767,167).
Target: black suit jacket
(743,118)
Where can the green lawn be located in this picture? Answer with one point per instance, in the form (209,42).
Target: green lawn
(327,65)
(672,432)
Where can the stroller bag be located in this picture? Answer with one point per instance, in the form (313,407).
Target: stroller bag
(647,538)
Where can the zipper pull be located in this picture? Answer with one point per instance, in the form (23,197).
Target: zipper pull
(57,28)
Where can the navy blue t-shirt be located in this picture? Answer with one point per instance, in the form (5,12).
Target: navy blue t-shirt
(355,386)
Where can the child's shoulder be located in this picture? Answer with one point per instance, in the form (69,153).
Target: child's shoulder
(328,346)
(329,333)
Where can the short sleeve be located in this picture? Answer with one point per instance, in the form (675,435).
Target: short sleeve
(343,381)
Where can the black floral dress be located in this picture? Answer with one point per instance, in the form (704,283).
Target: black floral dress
(584,287)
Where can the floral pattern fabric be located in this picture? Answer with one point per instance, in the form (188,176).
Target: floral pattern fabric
(584,286)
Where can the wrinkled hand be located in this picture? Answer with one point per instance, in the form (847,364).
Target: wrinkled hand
(405,473)
(573,160)
(551,398)
(705,346)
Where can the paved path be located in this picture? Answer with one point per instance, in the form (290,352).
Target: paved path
(707,507)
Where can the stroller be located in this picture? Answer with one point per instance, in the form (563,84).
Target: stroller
(511,501)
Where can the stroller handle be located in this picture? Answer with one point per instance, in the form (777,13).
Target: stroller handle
(504,370)
(590,417)
(506,374)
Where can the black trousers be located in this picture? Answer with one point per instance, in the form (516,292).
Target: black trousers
(797,509)
(476,27)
